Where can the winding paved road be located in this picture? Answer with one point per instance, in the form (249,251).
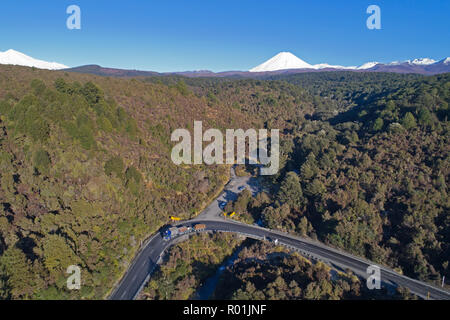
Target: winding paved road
(146,260)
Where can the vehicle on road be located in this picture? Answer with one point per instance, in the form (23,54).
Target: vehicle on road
(270,239)
(175,231)
(241,188)
(199,227)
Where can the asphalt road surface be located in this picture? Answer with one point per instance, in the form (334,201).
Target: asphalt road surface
(146,260)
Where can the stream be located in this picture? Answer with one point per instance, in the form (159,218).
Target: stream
(207,289)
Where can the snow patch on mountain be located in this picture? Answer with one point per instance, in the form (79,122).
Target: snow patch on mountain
(417,62)
(326,65)
(422,61)
(368,65)
(17,58)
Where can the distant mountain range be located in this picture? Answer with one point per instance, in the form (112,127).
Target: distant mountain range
(288,61)
(112,72)
(282,63)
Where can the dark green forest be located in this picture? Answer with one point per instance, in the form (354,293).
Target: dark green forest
(369,172)
(265,272)
(86,173)
(261,271)
(86,176)
(188,264)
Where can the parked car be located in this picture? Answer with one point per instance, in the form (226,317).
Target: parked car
(222,204)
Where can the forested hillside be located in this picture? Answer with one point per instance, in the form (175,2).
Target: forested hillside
(188,264)
(365,164)
(86,175)
(86,172)
(369,172)
(265,272)
(259,271)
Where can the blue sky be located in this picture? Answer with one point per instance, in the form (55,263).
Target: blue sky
(223,35)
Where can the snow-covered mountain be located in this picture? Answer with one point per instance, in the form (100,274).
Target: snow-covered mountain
(288,61)
(17,58)
(282,61)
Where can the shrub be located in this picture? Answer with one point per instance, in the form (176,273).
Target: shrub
(38,86)
(92,93)
(39,130)
(4,107)
(425,117)
(61,85)
(409,121)
(378,124)
(133,174)
(114,165)
(42,161)
(291,191)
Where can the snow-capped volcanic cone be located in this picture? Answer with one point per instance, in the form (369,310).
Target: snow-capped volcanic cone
(17,58)
(286,61)
(282,61)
